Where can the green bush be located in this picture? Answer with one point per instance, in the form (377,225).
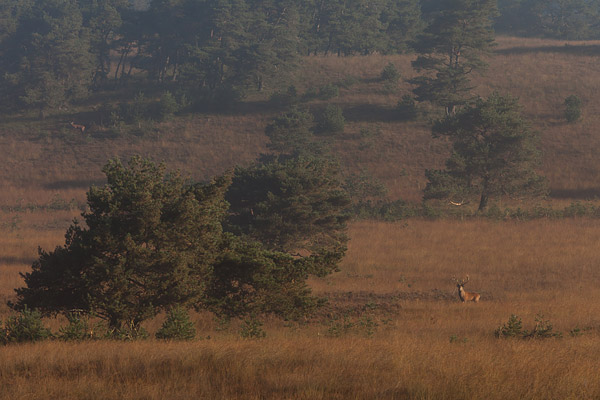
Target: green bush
(177,326)
(24,327)
(340,326)
(285,99)
(407,108)
(542,330)
(513,328)
(328,92)
(129,332)
(332,120)
(77,329)
(310,94)
(390,73)
(252,328)
(347,82)
(166,107)
(573,106)
(136,111)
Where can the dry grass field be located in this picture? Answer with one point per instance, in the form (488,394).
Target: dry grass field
(45,159)
(394,327)
(406,334)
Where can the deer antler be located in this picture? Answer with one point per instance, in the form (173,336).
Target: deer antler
(461,282)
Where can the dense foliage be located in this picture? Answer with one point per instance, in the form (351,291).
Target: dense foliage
(152,241)
(451,48)
(494,153)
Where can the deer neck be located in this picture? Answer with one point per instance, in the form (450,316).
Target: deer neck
(461,293)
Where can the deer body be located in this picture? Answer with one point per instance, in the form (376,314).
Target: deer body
(464,295)
(467,296)
(78,127)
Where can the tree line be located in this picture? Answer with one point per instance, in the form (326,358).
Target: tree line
(53,52)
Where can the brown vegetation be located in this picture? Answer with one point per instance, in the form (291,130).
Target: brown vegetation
(41,159)
(394,327)
(424,342)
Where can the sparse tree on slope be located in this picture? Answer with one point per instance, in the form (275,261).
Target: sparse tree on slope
(494,153)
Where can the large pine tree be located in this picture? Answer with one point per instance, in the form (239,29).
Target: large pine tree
(494,153)
(451,48)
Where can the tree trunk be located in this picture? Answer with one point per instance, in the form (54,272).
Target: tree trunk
(483,201)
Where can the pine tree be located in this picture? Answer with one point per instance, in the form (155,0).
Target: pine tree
(47,61)
(290,204)
(494,153)
(149,243)
(451,48)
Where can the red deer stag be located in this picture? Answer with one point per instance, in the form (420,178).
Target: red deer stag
(78,127)
(465,296)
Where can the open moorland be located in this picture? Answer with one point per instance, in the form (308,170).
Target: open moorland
(394,327)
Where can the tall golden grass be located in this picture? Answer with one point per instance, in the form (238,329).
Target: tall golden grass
(426,345)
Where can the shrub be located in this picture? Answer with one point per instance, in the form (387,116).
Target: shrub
(136,111)
(328,92)
(252,328)
(339,327)
(129,332)
(310,94)
(363,186)
(407,108)
(542,330)
(285,99)
(24,327)
(177,326)
(77,329)
(290,132)
(390,73)
(166,107)
(332,120)
(513,328)
(573,108)
(347,82)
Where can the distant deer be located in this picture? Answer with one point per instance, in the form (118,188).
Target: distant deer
(81,128)
(465,296)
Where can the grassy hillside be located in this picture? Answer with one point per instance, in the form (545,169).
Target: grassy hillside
(45,159)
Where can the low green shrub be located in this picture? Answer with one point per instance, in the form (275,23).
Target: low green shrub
(573,106)
(129,332)
(513,328)
(252,328)
(78,329)
(26,326)
(390,73)
(407,108)
(328,92)
(331,120)
(543,329)
(177,326)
